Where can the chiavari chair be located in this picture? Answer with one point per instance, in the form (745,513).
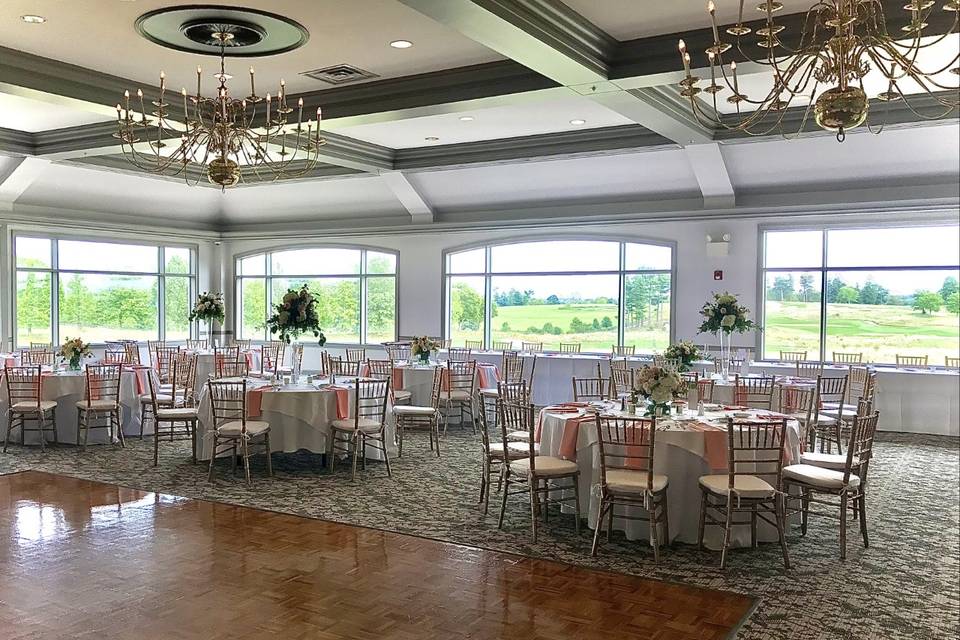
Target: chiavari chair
(809,370)
(115,347)
(754,392)
(242,344)
(40,357)
(844,357)
(366,427)
(152,346)
(186,371)
(690,381)
(383,370)
(799,404)
(226,354)
(705,387)
(459,393)
(25,397)
(232,430)
(445,343)
(296,358)
(340,368)
(531,347)
(398,352)
(534,474)
(115,354)
(912,361)
(178,391)
(166,419)
(133,353)
(511,366)
(863,408)
(458,355)
(356,354)
(861,385)
(666,363)
(419,418)
(231,370)
(846,481)
(196,345)
(826,429)
(163,359)
(511,370)
(626,451)
(623,350)
(515,393)
(751,485)
(621,383)
(952,363)
(271,357)
(473,345)
(40,346)
(101,400)
(792,356)
(495,454)
(570,347)
(590,389)
(503,345)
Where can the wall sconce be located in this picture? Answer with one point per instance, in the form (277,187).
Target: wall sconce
(718,248)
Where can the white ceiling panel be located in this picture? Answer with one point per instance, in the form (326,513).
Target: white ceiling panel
(25,114)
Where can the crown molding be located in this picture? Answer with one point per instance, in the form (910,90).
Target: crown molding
(16,142)
(86,220)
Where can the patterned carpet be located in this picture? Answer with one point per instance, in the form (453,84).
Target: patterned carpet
(906,585)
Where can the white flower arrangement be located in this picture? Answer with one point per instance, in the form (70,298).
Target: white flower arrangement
(659,385)
(209,306)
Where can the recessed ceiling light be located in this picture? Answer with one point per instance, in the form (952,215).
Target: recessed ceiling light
(466,118)
(577,122)
(32,19)
(401,44)
(431,138)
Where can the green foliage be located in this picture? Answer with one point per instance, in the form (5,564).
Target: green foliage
(949,287)
(927,302)
(833,289)
(606,323)
(847,295)
(807,292)
(553,299)
(466,307)
(872,293)
(952,302)
(505,326)
(782,288)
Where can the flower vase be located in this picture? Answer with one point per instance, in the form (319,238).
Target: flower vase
(724,355)
(210,342)
(424,357)
(297,362)
(74,364)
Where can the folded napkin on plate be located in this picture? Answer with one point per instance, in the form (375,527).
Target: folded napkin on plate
(562,409)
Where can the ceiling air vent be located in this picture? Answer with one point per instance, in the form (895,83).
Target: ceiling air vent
(340,74)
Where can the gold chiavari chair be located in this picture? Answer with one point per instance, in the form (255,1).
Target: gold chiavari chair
(912,361)
(705,387)
(826,428)
(848,481)
(751,485)
(473,345)
(41,346)
(623,350)
(152,346)
(511,370)
(495,454)
(196,345)
(383,370)
(511,367)
(340,368)
(754,392)
(166,420)
(792,356)
(861,383)
(621,383)
(531,347)
(843,357)
(232,430)
(798,404)
(590,389)
(421,418)
(296,358)
(862,409)
(809,370)
(133,353)
(515,392)
(503,345)
(459,393)
(163,359)
(570,347)
(398,352)
(227,354)
(534,474)
(231,370)
(626,448)
(101,400)
(25,397)
(271,357)
(690,381)
(178,391)
(38,357)
(367,427)
(356,354)
(186,372)
(458,355)
(115,354)
(952,363)
(242,344)
(445,343)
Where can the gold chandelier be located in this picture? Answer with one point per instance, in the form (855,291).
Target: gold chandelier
(840,42)
(231,139)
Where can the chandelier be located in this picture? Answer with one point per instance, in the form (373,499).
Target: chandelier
(839,43)
(231,139)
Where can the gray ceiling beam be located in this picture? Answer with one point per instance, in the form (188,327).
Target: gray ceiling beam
(712,175)
(18,179)
(421,212)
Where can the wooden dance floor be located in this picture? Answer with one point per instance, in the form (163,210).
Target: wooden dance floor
(83,559)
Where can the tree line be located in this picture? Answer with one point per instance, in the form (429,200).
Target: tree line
(785,289)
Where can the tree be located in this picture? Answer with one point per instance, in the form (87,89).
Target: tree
(848,295)
(606,323)
(553,299)
(381,306)
(782,288)
(253,306)
(467,307)
(949,287)
(927,302)
(833,288)
(872,293)
(952,302)
(806,287)
(578,326)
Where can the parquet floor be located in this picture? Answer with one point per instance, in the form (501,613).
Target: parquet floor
(81,559)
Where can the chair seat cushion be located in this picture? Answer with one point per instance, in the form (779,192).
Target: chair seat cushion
(410,410)
(234,429)
(365,425)
(516,450)
(28,405)
(98,405)
(744,486)
(545,467)
(518,435)
(489,393)
(182,413)
(826,420)
(835,461)
(633,481)
(818,477)
(457,394)
(162,398)
(401,395)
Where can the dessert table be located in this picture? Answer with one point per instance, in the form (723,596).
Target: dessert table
(686,448)
(300,415)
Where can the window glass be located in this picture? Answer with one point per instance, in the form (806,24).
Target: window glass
(316,262)
(553,256)
(791,249)
(106,257)
(792,313)
(381,309)
(177,260)
(177,304)
(253,266)
(33,253)
(108,307)
(648,257)
(253,308)
(647,312)
(381,262)
(468,261)
(466,305)
(338,305)
(33,308)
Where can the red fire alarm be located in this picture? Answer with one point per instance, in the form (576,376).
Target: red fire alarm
(718,275)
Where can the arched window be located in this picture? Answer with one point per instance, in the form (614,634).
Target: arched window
(596,293)
(356,289)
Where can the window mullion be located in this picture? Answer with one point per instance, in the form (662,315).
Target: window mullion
(55,291)
(363,297)
(622,297)
(824,240)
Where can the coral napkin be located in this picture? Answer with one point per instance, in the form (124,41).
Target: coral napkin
(714,444)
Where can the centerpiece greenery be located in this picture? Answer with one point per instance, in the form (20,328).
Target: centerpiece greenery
(422,347)
(659,385)
(73,350)
(296,315)
(208,308)
(684,352)
(723,316)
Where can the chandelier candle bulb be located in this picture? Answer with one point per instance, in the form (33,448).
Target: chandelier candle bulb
(199,73)
(711,9)
(684,57)
(143,112)
(253,91)
(268,114)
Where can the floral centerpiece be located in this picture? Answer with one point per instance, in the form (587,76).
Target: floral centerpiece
(296,315)
(422,347)
(723,316)
(73,350)
(659,385)
(208,307)
(684,352)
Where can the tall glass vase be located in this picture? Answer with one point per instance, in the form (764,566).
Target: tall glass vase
(724,355)
(210,342)
(297,362)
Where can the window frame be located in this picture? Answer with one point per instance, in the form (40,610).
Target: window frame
(488,275)
(160,273)
(825,269)
(363,275)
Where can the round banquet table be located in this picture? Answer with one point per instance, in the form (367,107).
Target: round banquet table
(300,416)
(68,388)
(684,451)
(206,365)
(418,379)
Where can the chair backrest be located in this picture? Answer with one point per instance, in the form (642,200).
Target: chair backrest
(370,401)
(626,443)
(163,359)
(456,354)
(152,346)
(912,361)
(380,369)
(115,353)
(24,384)
(847,357)
(531,347)
(226,369)
(103,383)
(799,403)
(356,354)
(621,382)
(618,363)
(754,392)
(242,344)
(462,376)
(511,366)
(860,384)
(227,354)
(38,356)
(436,387)
(792,356)
(860,447)
(831,389)
(515,392)
(809,369)
(271,356)
(570,347)
(196,345)
(398,351)
(133,352)
(503,345)
(185,376)
(343,368)
(755,448)
(228,402)
(624,350)
(705,387)
(518,416)
(664,362)
(586,389)
(952,363)
(690,380)
(41,346)
(473,344)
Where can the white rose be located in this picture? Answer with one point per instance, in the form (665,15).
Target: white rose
(728,321)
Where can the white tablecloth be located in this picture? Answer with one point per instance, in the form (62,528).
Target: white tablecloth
(680,455)
(418,380)
(300,417)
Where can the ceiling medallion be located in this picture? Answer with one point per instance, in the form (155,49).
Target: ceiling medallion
(842,41)
(231,139)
